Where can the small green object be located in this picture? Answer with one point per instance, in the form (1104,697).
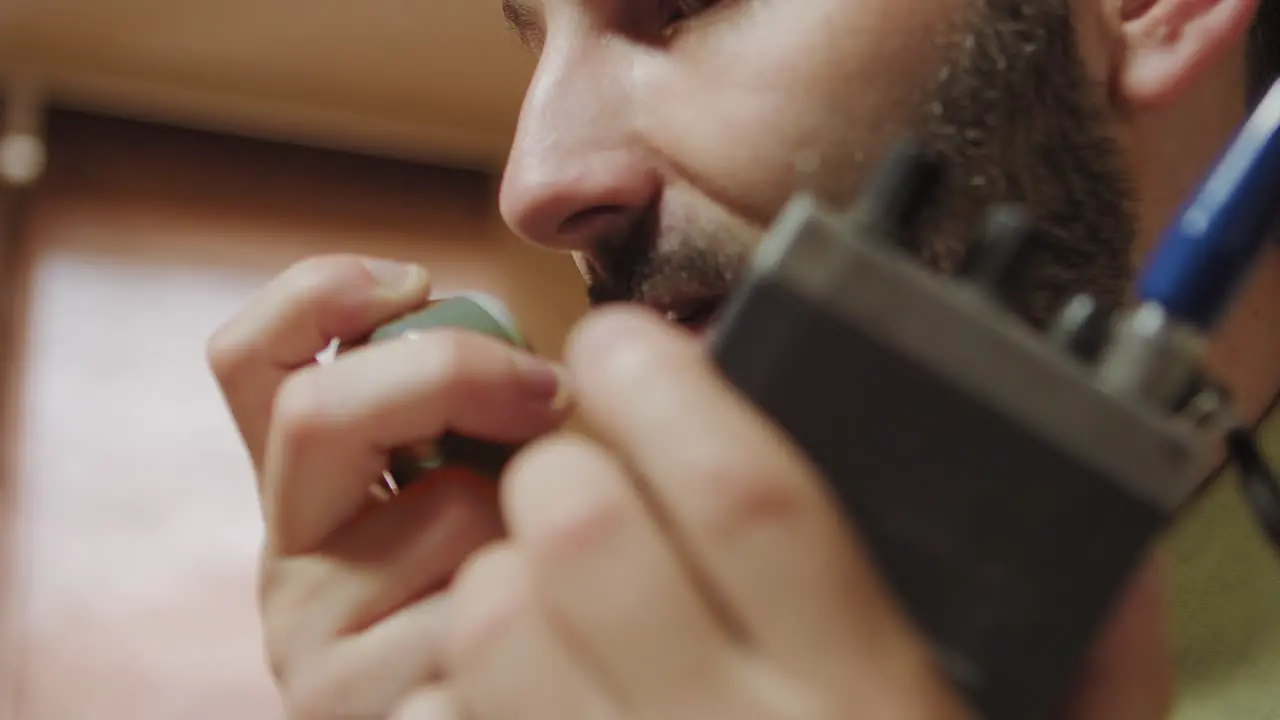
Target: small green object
(474,311)
(483,314)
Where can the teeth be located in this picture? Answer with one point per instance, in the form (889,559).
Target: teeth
(673,316)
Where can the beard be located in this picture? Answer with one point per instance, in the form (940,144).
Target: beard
(1013,118)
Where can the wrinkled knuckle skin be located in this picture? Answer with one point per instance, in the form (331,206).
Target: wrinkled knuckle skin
(447,353)
(325,688)
(332,288)
(279,665)
(307,702)
(231,349)
(443,360)
(319,274)
(741,498)
(489,602)
(300,700)
(469,363)
(282,631)
(579,523)
(227,352)
(300,414)
(312,681)
(582,529)
(476,634)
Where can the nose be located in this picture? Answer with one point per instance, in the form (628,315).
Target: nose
(578,170)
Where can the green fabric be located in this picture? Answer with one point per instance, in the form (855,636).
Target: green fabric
(1225,589)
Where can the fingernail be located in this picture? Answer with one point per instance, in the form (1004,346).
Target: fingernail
(546,382)
(397,278)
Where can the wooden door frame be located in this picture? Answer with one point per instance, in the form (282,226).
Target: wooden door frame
(22,151)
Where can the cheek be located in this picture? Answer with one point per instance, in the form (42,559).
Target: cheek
(743,97)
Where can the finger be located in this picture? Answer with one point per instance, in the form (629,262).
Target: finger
(365,675)
(429,704)
(1129,675)
(334,425)
(607,577)
(504,661)
(386,559)
(756,516)
(295,317)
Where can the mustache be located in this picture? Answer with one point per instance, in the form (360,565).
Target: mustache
(663,267)
(619,262)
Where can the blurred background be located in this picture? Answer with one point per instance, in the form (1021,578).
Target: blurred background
(193,149)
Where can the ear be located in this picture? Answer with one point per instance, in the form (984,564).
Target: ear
(1168,44)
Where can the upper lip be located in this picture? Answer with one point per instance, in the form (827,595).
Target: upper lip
(691,301)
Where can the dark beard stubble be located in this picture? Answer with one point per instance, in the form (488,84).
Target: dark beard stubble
(1014,119)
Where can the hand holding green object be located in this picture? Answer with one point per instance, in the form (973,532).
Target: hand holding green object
(472,311)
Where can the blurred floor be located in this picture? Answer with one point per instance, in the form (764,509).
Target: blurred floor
(137,523)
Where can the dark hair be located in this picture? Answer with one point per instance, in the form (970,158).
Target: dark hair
(1264,50)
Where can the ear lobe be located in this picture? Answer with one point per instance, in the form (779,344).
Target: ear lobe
(1168,44)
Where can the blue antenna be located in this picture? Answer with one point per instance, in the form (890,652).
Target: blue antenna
(1213,245)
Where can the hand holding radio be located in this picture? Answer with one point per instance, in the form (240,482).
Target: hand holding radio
(689,562)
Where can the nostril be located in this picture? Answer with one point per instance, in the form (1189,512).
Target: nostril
(595,221)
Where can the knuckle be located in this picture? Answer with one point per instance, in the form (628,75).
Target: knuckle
(447,352)
(577,526)
(312,680)
(297,694)
(425,704)
(280,666)
(742,498)
(284,630)
(300,413)
(297,705)
(228,350)
(236,344)
(458,366)
(490,599)
(279,657)
(317,275)
(587,510)
(313,673)
(329,698)
(335,289)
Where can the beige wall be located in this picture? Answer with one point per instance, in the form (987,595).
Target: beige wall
(136,526)
(439,80)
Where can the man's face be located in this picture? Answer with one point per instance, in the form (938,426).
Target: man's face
(660,137)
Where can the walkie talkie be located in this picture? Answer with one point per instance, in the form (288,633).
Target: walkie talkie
(1006,482)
